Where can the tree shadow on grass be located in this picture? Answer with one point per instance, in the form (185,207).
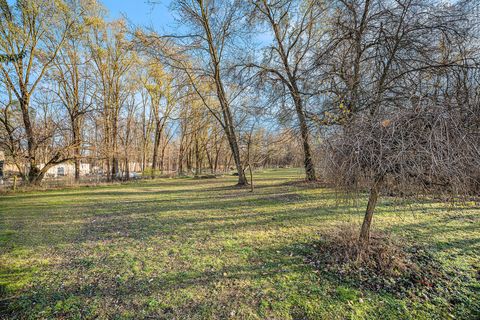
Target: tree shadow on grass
(43,224)
(436,234)
(55,299)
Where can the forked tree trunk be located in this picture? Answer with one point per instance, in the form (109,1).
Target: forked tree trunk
(367,220)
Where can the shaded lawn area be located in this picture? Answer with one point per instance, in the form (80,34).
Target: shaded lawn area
(202,249)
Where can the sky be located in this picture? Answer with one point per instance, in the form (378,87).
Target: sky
(142,12)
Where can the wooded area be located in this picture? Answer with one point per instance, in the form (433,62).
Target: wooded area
(369,97)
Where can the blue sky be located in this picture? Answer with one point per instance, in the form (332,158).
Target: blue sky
(142,13)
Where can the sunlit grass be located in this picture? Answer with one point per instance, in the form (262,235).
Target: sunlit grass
(185,248)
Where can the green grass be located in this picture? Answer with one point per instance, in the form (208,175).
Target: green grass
(203,249)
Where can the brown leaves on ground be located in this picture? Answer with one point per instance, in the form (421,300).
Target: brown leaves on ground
(387,264)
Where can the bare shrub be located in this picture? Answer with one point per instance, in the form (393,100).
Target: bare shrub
(427,150)
(387,264)
(385,254)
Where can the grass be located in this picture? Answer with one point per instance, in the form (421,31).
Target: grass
(202,249)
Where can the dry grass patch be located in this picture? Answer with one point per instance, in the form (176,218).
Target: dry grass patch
(388,264)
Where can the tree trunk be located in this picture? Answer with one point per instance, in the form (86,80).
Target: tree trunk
(180,159)
(77,169)
(251,177)
(127,169)
(307,160)
(296,97)
(115,162)
(115,167)
(31,144)
(209,159)
(77,142)
(367,220)
(222,98)
(242,179)
(34,175)
(215,165)
(156,145)
(162,157)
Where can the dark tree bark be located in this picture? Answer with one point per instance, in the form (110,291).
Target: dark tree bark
(307,152)
(156,146)
(367,220)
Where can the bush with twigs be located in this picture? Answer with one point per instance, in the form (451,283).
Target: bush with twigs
(422,151)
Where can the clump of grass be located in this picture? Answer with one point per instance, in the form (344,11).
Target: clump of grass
(388,264)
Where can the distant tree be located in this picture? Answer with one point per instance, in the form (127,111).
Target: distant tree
(112,58)
(159,85)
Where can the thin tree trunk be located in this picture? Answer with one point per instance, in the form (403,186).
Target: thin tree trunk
(77,169)
(162,157)
(156,145)
(251,177)
(109,174)
(77,142)
(222,98)
(180,158)
(367,220)
(115,156)
(127,169)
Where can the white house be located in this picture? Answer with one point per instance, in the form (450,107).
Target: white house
(67,169)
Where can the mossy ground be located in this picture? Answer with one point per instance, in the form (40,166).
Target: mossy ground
(203,249)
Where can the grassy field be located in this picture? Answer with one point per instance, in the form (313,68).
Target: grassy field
(202,249)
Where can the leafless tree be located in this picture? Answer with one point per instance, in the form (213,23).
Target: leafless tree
(287,62)
(39,29)
(405,95)
(201,54)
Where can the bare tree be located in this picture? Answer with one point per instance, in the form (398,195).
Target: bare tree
(402,130)
(39,29)
(287,62)
(112,59)
(71,74)
(159,87)
(201,55)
